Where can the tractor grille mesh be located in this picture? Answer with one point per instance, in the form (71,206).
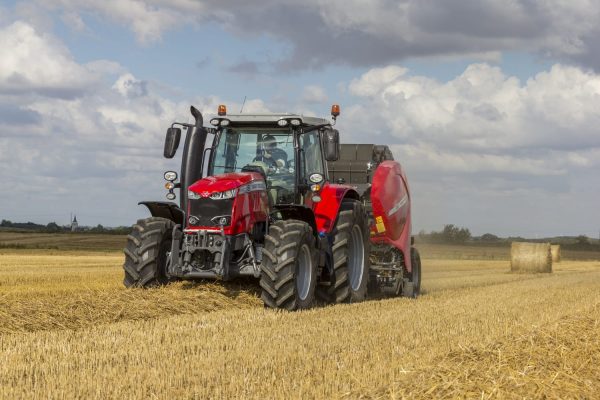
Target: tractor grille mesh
(205,209)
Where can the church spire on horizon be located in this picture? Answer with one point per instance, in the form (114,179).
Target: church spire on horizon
(74,224)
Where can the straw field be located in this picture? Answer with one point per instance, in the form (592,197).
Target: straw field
(69,330)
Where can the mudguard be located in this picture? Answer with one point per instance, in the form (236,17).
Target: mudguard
(327,210)
(390,198)
(165,209)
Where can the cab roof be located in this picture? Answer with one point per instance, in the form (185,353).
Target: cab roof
(272,118)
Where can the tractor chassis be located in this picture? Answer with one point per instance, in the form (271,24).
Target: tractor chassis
(208,254)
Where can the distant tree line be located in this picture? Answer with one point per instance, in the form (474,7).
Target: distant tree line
(53,227)
(452,234)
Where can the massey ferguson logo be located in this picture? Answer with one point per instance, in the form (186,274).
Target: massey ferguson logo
(204,194)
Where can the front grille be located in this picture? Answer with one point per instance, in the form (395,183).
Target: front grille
(205,209)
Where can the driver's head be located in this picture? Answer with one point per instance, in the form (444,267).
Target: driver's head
(269,142)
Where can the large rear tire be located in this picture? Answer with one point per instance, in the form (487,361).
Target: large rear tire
(350,250)
(289,266)
(146,254)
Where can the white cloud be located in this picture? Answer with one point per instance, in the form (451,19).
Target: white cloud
(484,110)
(370,33)
(74,21)
(313,94)
(97,153)
(484,142)
(127,85)
(34,62)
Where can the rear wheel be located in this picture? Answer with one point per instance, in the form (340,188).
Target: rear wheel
(147,251)
(289,266)
(412,286)
(350,254)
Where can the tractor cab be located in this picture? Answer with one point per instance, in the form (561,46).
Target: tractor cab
(283,148)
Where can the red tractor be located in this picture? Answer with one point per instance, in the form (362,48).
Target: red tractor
(257,199)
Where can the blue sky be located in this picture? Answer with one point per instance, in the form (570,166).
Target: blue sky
(491,109)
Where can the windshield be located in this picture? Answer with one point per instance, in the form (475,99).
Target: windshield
(268,151)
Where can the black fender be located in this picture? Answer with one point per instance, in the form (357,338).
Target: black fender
(165,209)
(302,213)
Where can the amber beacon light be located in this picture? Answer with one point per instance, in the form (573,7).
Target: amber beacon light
(335,110)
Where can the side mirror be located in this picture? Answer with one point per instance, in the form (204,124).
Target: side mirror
(172,142)
(331,144)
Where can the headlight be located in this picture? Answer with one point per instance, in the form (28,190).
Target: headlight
(227,194)
(170,176)
(193,195)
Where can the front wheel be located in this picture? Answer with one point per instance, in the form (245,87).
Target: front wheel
(147,251)
(289,266)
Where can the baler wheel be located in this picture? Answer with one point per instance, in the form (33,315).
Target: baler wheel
(412,287)
(146,254)
(289,266)
(351,250)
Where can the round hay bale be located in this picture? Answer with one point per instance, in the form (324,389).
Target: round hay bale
(530,257)
(555,248)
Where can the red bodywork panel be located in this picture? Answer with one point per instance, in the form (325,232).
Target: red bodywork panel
(326,211)
(222,182)
(248,208)
(390,198)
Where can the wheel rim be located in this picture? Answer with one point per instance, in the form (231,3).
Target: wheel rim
(356,261)
(304,272)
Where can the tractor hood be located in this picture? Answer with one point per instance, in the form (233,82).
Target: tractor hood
(220,183)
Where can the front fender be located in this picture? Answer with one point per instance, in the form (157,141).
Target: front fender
(165,209)
(327,210)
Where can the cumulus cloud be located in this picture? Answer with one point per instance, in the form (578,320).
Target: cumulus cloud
(34,62)
(377,32)
(96,152)
(313,94)
(127,85)
(365,34)
(484,135)
(485,110)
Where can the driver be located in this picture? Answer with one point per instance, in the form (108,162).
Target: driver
(270,154)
